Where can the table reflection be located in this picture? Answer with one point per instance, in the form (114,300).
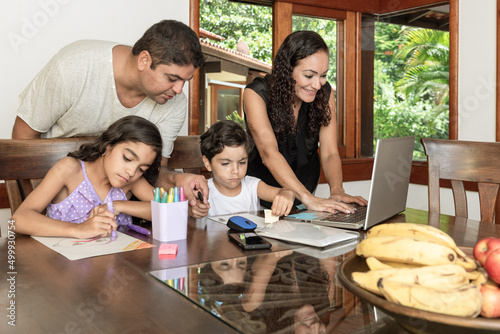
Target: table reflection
(292,291)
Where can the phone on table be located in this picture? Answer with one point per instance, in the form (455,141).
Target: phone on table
(249,240)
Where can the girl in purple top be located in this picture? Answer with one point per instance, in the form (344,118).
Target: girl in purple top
(125,159)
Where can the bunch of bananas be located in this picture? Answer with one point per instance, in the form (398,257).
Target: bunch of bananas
(421,267)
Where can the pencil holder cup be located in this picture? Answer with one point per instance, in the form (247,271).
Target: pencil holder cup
(169,220)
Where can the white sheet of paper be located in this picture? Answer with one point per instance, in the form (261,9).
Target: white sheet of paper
(75,249)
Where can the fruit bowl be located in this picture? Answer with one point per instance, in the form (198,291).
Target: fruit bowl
(413,319)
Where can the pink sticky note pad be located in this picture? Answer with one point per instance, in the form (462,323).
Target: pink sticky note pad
(167,251)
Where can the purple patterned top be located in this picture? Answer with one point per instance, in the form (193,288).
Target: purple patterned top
(77,206)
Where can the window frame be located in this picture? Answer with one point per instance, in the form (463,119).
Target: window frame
(354,166)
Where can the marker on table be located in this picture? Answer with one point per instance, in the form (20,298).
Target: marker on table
(139,229)
(109,204)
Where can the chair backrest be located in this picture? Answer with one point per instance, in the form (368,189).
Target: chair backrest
(24,163)
(186,156)
(460,161)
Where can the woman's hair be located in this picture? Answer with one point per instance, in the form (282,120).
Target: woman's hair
(130,128)
(221,134)
(296,46)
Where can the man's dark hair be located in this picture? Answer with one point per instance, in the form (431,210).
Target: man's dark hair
(170,42)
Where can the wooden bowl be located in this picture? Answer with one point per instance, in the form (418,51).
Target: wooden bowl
(414,320)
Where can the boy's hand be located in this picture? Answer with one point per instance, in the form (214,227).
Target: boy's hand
(283,202)
(198,211)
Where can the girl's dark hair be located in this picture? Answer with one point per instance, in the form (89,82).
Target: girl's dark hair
(130,128)
(296,46)
(221,134)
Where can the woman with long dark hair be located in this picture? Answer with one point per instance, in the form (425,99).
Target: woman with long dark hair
(291,112)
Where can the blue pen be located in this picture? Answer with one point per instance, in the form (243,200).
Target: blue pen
(176,194)
(139,229)
(109,203)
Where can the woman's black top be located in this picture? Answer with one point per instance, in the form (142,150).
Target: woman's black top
(300,151)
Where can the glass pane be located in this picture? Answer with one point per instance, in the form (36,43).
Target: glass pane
(280,292)
(411,83)
(235,21)
(228,101)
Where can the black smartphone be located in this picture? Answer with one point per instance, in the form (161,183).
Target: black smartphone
(249,240)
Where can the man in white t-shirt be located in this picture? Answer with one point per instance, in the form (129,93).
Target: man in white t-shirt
(89,84)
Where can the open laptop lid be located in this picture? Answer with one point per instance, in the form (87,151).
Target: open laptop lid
(388,188)
(390,179)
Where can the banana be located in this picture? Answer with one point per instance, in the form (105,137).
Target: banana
(393,264)
(465,301)
(478,277)
(374,264)
(422,232)
(439,277)
(407,250)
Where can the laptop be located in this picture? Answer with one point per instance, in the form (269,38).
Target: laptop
(388,189)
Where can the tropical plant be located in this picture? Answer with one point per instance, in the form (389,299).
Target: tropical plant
(427,70)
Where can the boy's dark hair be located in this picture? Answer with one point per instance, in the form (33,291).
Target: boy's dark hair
(130,128)
(170,42)
(221,134)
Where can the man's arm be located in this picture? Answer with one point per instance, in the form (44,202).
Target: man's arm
(22,130)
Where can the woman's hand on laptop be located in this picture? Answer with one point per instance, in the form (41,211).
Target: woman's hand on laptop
(327,204)
(346,198)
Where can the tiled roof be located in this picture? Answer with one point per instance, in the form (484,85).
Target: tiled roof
(210,35)
(222,52)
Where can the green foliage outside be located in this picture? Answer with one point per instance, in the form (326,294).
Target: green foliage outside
(411,79)
(235,22)
(411,84)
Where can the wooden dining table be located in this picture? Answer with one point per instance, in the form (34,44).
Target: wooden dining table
(44,292)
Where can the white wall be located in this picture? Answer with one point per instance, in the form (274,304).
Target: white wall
(477,70)
(32,31)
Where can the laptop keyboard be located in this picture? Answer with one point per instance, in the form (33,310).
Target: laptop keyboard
(355,217)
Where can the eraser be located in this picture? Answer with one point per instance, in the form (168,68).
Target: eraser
(168,249)
(269,217)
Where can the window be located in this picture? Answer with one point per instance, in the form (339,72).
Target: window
(368,92)
(236,39)
(411,83)
(226,101)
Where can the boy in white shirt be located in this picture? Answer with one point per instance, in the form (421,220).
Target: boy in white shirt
(225,148)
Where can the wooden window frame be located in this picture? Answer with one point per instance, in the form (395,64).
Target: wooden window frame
(214,100)
(355,167)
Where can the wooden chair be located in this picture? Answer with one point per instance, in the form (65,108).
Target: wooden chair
(186,156)
(460,161)
(24,163)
